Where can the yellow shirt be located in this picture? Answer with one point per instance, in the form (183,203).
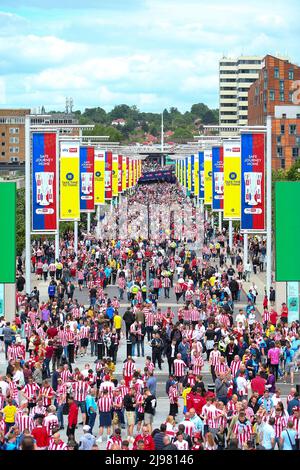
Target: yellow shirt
(10,412)
(212,281)
(185,392)
(117,322)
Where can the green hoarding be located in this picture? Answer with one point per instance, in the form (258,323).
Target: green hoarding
(287,231)
(8,233)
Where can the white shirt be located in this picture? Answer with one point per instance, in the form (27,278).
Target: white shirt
(241,319)
(4,386)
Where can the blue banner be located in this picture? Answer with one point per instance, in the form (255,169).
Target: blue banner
(201,175)
(217,178)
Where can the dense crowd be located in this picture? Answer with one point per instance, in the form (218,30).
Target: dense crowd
(46,389)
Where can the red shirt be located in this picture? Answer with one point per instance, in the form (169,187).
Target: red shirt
(194,400)
(148,441)
(258,385)
(73,414)
(273,317)
(51,332)
(40,434)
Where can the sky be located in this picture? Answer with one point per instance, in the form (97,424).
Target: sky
(151,53)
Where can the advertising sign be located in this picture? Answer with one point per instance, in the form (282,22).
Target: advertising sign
(218,179)
(69,181)
(208,176)
(99,177)
(232,179)
(87,179)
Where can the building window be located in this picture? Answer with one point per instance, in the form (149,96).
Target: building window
(281,96)
(2,143)
(272,95)
(265,107)
(14,130)
(298,140)
(281,85)
(284,116)
(276,72)
(3,154)
(278,139)
(282,129)
(291,96)
(295,152)
(265,84)
(265,74)
(279,152)
(14,140)
(298,116)
(291,74)
(2,134)
(292,129)
(282,163)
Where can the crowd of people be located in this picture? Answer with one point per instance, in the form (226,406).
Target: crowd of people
(224,363)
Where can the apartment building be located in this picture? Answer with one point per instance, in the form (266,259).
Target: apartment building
(235,78)
(272,94)
(12,131)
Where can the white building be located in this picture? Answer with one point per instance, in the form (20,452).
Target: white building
(235,78)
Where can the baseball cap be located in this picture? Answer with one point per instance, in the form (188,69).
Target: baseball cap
(86,427)
(296,408)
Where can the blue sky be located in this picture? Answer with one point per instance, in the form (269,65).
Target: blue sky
(152,53)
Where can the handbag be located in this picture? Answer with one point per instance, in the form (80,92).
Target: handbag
(115,419)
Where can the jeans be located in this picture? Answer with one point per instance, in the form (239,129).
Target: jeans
(91,420)
(121,293)
(140,346)
(60,415)
(6,344)
(133,349)
(46,365)
(93,347)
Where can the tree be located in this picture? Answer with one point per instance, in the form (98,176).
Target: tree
(182,133)
(20,222)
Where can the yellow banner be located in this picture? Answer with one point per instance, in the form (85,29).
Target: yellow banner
(135,177)
(208,176)
(99,177)
(69,181)
(232,180)
(196,175)
(115,170)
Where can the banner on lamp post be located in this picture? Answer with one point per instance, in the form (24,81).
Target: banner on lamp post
(201,175)
(208,177)
(232,179)
(217,179)
(69,181)
(253,182)
(44,181)
(99,177)
(108,175)
(293,301)
(115,176)
(87,157)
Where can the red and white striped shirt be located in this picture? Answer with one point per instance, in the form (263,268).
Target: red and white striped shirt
(15,352)
(156,283)
(279,425)
(197,366)
(75,312)
(179,366)
(266,316)
(123,390)
(128,369)
(214,357)
(296,423)
(113,440)
(2,426)
(47,394)
(139,401)
(109,386)
(80,390)
(221,367)
(65,375)
(118,402)
(105,404)
(24,421)
(59,446)
(231,406)
(166,282)
(211,415)
(234,367)
(84,332)
(195,315)
(173,395)
(31,391)
(50,422)
(243,432)
(189,427)
(69,335)
(178,288)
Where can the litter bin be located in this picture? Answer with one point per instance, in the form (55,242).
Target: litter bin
(129,347)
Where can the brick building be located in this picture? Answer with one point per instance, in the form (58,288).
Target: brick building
(272,95)
(12,131)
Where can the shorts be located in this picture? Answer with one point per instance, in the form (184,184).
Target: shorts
(84,342)
(180,379)
(105,419)
(290,367)
(80,282)
(130,416)
(140,416)
(148,419)
(81,405)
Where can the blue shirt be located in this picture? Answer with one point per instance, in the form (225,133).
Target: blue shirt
(90,402)
(151,384)
(110,312)
(268,433)
(288,440)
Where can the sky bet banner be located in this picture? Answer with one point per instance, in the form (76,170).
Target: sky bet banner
(127,172)
(207,176)
(192,173)
(201,175)
(124,170)
(120,181)
(108,175)
(44,177)
(253,182)
(87,179)
(69,181)
(218,179)
(232,179)
(99,177)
